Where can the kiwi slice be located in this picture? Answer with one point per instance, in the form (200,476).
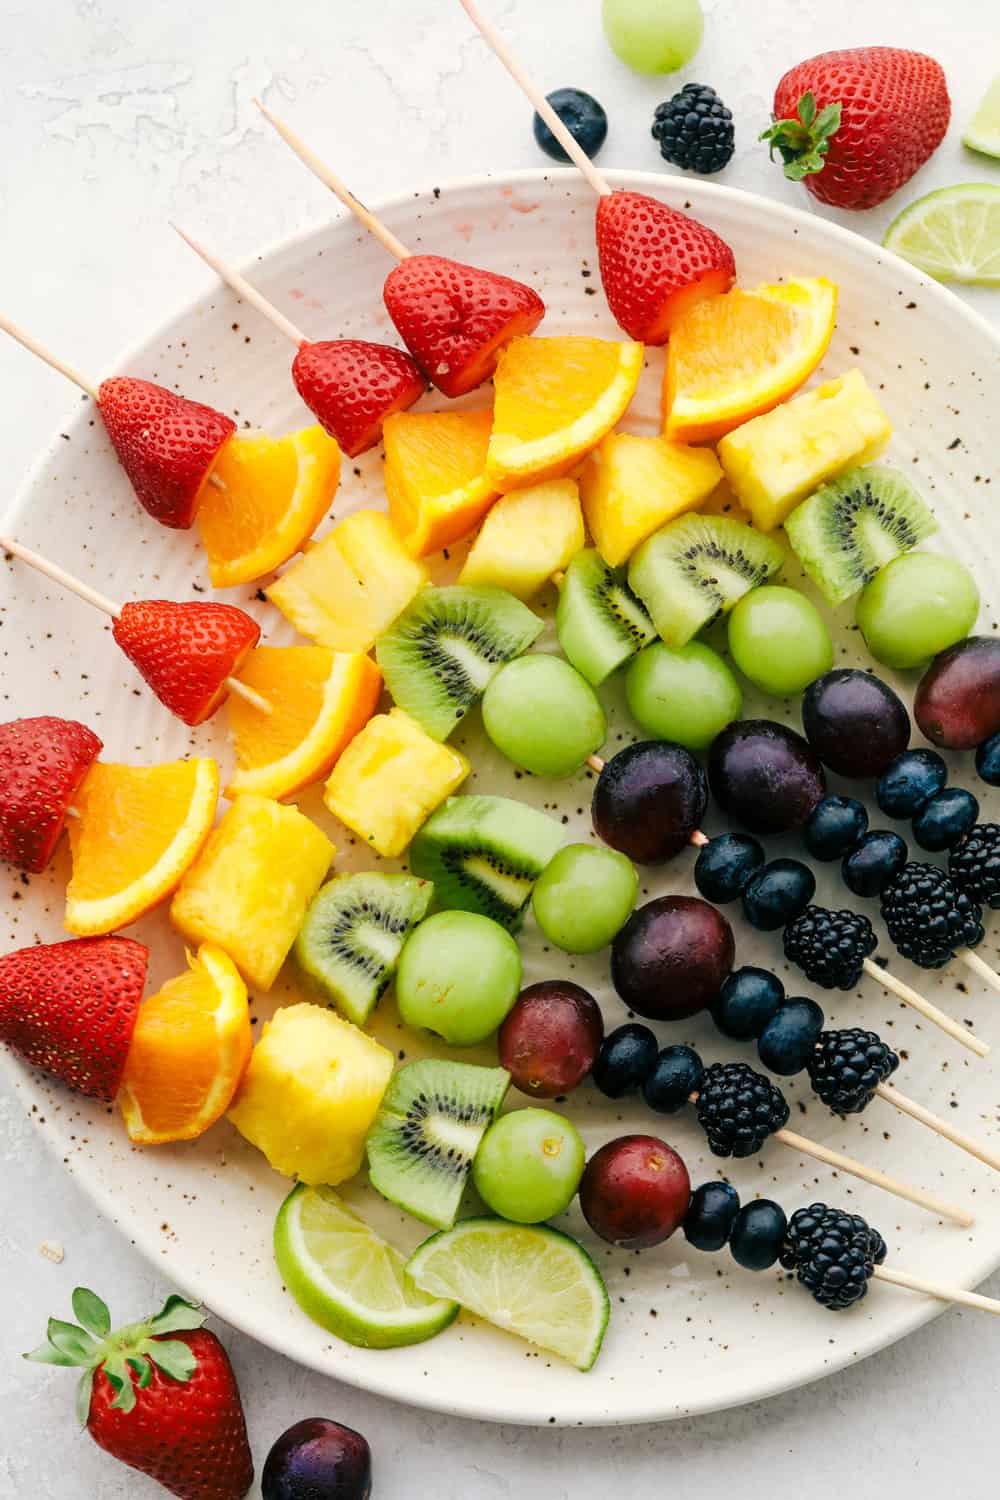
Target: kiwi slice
(484,854)
(600,622)
(353,934)
(427,1131)
(696,568)
(439,656)
(856,524)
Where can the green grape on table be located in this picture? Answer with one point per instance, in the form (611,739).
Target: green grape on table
(687,695)
(779,641)
(654,36)
(584,896)
(543,715)
(459,974)
(529,1165)
(917,606)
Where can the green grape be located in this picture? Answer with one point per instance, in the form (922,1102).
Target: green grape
(915,607)
(688,695)
(654,36)
(584,896)
(543,715)
(458,975)
(778,639)
(529,1165)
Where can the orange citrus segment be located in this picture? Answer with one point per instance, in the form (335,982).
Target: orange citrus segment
(435,476)
(190,1048)
(139,829)
(734,356)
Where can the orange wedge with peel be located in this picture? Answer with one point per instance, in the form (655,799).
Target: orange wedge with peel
(435,476)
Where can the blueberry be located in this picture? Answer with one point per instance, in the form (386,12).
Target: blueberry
(725,864)
(583,117)
(758,1234)
(676,1074)
(945,819)
(789,1038)
(836,826)
(626,1059)
(746,1002)
(777,893)
(875,863)
(912,780)
(710,1215)
(988,760)
(317,1457)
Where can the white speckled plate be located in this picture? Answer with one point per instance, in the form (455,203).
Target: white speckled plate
(688,1332)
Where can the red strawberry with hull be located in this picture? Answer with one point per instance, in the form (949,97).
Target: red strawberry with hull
(186,651)
(42,763)
(165,443)
(352,386)
(455,319)
(70,1009)
(655,262)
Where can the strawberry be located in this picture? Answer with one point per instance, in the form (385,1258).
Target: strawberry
(165,443)
(855,125)
(186,651)
(352,386)
(455,319)
(70,1008)
(655,262)
(42,763)
(159,1395)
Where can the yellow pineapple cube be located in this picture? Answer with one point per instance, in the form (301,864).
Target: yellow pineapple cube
(778,459)
(349,587)
(631,486)
(435,475)
(310,1093)
(390,779)
(527,536)
(249,888)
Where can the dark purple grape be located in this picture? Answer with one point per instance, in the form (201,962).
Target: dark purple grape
(648,801)
(318,1460)
(672,957)
(549,1041)
(765,775)
(635,1192)
(957,704)
(855,722)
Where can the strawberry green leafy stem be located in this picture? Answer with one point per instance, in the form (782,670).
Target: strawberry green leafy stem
(804,141)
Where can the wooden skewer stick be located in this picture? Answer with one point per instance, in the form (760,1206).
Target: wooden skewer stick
(907,1106)
(48,357)
(979,967)
(910,996)
(595,763)
(243,289)
(954,1294)
(879,1179)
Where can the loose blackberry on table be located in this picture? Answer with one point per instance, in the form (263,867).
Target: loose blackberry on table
(695,130)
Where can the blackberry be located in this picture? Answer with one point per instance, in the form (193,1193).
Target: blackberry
(928,916)
(695,130)
(738,1109)
(847,1067)
(832,1254)
(830,946)
(974,865)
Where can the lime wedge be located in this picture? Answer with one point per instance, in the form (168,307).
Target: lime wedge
(348,1279)
(983,133)
(526,1279)
(953,234)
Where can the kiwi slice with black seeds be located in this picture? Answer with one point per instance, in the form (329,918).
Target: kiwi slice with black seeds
(600,622)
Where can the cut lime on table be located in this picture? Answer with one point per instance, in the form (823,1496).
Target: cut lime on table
(983,133)
(347,1278)
(952,234)
(526,1279)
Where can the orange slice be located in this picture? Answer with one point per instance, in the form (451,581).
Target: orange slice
(435,476)
(320,699)
(139,829)
(189,1050)
(732,357)
(555,399)
(265,499)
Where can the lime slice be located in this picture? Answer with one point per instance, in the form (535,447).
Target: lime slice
(953,234)
(983,133)
(348,1279)
(526,1279)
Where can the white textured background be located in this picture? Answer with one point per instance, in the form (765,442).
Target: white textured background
(116,115)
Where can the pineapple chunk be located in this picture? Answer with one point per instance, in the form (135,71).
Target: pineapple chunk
(631,486)
(435,475)
(310,1093)
(249,888)
(349,587)
(527,536)
(778,459)
(390,779)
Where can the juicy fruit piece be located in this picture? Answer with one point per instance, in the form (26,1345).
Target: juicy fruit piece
(952,234)
(390,779)
(185,652)
(599,621)
(635,1192)
(672,957)
(855,722)
(543,715)
(672,1080)
(43,761)
(631,486)
(919,605)
(323,1456)
(435,476)
(765,776)
(945,820)
(694,130)
(910,782)
(983,131)
(724,866)
(777,638)
(529,1165)
(654,36)
(139,829)
(191,1044)
(484,854)
(443,651)
(687,696)
(320,699)
(774,461)
(350,586)
(656,262)
(458,976)
(353,934)
(427,1132)
(957,704)
(758,1234)
(310,1094)
(875,863)
(249,889)
(165,443)
(837,825)
(70,1009)
(527,536)
(709,1220)
(696,568)
(734,356)
(352,386)
(584,118)
(455,319)
(777,893)
(648,801)
(626,1059)
(350,1281)
(529,1280)
(746,1002)
(584,896)
(550,1040)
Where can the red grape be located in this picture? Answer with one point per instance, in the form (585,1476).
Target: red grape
(957,704)
(635,1192)
(672,957)
(855,722)
(648,801)
(318,1457)
(549,1041)
(765,775)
